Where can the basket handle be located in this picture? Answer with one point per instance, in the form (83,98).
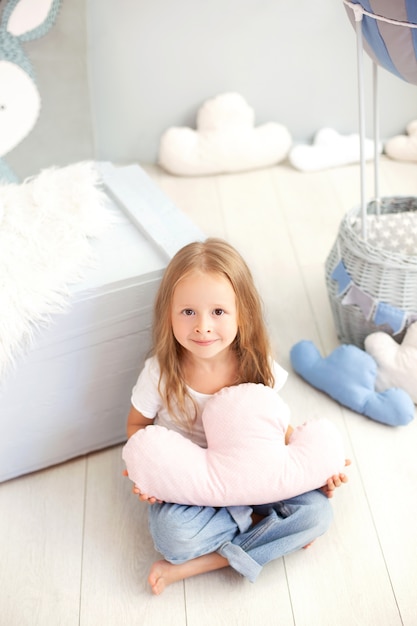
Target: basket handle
(361,104)
(362,133)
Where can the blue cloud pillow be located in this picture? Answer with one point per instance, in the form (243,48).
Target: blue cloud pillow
(348,376)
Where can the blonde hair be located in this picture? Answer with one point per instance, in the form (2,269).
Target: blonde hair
(251,345)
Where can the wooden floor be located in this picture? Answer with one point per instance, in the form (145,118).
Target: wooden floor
(74,545)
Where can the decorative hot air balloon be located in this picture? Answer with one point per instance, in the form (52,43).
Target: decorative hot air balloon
(371,271)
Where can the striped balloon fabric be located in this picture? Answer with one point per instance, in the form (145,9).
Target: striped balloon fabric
(389,29)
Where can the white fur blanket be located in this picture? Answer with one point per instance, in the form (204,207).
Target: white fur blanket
(45,226)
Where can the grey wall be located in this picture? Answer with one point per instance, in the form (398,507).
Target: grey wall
(114,75)
(154,62)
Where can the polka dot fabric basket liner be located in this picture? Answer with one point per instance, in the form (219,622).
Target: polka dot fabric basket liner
(372,282)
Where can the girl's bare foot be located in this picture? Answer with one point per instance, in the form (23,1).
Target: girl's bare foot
(161,575)
(164,573)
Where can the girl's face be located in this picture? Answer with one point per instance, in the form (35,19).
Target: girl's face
(203,314)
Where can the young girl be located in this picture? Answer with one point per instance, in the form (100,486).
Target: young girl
(209,333)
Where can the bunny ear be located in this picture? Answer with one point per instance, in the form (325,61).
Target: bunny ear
(30,19)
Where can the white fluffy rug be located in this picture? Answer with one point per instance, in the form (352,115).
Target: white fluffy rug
(45,227)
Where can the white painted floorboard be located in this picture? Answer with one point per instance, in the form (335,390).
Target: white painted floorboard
(75,549)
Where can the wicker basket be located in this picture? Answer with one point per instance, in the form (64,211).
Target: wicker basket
(383,267)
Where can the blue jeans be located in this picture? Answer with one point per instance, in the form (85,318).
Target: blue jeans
(181,533)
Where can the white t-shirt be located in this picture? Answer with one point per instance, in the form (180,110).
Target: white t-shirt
(147,400)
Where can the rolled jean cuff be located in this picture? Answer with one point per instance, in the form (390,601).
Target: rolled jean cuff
(240,561)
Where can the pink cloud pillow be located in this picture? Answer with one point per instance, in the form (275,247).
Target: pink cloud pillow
(246,461)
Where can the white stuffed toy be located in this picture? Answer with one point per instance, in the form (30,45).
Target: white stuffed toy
(330,149)
(403,147)
(226,140)
(246,461)
(397,363)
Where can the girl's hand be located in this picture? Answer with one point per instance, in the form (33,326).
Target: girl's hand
(288,434)
(335,481)
(142,496)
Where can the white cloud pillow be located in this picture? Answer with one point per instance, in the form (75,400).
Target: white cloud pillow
(226,140)
(330,149)
(246,461)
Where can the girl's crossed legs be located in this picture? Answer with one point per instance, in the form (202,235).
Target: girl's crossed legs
(194,539)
